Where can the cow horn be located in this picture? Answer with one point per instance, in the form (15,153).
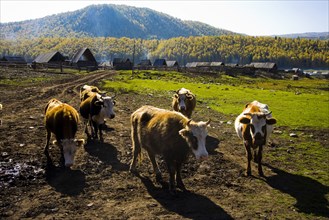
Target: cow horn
(267,114)
(209,120)
(248,113)
(114,95)
(189,121)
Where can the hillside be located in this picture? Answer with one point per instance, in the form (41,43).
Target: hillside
(109,20)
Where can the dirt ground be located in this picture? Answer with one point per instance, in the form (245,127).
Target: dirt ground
(99,185)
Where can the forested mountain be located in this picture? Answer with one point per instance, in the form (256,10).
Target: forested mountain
(286,52)
(109,20)
(309,35)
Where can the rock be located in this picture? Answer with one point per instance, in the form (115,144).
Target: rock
(293,135)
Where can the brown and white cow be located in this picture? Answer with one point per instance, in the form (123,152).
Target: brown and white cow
(62,120)
(94,109)
(254,126)
(169,134)
(184,101)
(86,89)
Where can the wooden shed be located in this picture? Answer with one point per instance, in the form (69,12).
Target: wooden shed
(172,63)
(13,59)
(84,58)
(122,64)
(265,66)
(160,63)
(53,57)
(145,64)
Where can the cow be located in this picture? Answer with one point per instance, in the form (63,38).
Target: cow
(254,126)
(184,101)
(169,134)
(94,109)
(86,89)
(62,120)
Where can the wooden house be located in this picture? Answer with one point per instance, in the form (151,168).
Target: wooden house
(84,58)
(267,66)
(160,63)
(122,64)
(53,57)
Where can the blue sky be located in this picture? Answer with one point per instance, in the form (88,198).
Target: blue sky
(255,18)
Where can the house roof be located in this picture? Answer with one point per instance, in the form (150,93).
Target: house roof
(216,64)
(14,59)
(265,65)
(145,63)
(192,64)
(120,60)
(171,63)
(47,57)
(160,62)
(84,54)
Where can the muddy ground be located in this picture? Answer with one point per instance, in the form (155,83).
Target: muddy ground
(99,185)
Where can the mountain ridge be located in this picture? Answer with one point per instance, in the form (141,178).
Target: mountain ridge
(108,20)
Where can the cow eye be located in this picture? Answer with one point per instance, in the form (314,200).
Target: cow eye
(113,102)
(194,142)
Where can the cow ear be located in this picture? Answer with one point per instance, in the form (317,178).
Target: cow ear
(271,121)
(99,103)
(184,133)
(176,96)
(56,143)
(79,142)
(245,120)
(189,96)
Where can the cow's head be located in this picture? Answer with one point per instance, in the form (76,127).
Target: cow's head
(258,122)
(182,95)
(107,105)
(195,134)
(69,148)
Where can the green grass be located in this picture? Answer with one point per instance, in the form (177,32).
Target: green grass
(302,103)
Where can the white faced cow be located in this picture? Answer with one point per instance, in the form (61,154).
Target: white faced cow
(62,120)
(94,109)
(184,101)
(254,126)
(169,134)
(86,89)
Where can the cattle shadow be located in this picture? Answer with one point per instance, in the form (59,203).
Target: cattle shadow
(106,153)
(309,193)
(186,204)
(211,144)
(66,181)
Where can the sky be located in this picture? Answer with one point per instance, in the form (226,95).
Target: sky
(254,18)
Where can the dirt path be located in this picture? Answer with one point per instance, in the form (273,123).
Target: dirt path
(99,185)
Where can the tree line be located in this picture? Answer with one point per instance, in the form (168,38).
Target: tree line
(285,52)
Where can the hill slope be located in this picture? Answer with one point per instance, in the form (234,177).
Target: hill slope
(109,21)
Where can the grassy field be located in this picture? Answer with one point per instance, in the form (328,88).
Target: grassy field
(300,103)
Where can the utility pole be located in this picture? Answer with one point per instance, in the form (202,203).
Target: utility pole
(132,68)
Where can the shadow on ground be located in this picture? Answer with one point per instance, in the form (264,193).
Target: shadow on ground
(309,193)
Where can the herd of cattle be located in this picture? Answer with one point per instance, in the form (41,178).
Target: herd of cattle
(171,134)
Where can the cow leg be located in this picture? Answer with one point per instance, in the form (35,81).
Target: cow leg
(260,153)
(155,167)
(95,131)
(136,148)
(100,127)
(62,160)
(249,157)
(86,128)
(172,173)
(179,180)
(46,150)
